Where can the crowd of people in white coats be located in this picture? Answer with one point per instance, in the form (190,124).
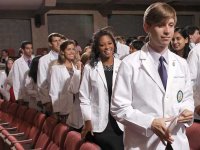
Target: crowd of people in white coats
(138,94)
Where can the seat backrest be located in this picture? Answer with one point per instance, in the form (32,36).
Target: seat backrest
(4,109)
(12,109)
(73,141)
(193,133)
(58,137)
(89,146)
(46,133)
(27,122)
(38,122)
(18,119)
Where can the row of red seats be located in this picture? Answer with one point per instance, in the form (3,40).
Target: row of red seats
(24,128)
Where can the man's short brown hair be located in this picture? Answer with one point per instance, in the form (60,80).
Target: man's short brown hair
(50,37)
(159,13)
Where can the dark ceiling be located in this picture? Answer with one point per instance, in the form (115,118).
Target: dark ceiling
(29,8)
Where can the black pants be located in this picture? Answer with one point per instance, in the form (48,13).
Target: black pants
(109,139)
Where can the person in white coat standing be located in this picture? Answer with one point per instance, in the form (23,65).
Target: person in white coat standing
(64,86)
(153,95)
(95,94)
(31,85)
(43,77)
(20,70)
(194,63)
(4,81)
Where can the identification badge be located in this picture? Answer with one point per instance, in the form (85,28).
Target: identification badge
(179,96)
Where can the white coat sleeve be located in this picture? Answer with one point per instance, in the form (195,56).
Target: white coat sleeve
(84,94)
(122,107)
(75,82)
(29,87)
(5,93)
(43,89)
(55,89)
(3,90)
(16,81)
(193,60)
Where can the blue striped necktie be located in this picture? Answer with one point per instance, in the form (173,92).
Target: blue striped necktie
(162,71)
(29,63)
(163,75)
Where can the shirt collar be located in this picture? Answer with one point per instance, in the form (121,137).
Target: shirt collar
(55,54)
(156,55)
(26,58)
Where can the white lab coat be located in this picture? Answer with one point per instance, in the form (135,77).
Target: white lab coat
(122,50)
(32,93)
(4,88)
(194,64)
(62,90)
(43,76)
(94,95)
(139,97)
(19,72)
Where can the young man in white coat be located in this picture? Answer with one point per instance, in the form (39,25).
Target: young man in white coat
(20,70)
(43,78)
(153,95)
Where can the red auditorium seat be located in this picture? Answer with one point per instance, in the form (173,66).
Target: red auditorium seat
(73,141)
(4,108)
(58,137)
(193,134)
(8,116)
(15,122)
(43,139)
(33,134)
(46,133)
(25,126)
(89,146)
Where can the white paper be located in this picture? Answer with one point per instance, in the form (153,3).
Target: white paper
(173,123)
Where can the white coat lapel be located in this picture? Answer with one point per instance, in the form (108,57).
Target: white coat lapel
(171,70)
(115,70)
(24,64)
(148,65)
(101,73)
(51,56)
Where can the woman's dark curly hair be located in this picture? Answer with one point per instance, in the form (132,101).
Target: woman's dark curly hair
(34,68)
(95,54)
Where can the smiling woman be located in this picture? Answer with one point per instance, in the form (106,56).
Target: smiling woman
(95,94)
(180,42)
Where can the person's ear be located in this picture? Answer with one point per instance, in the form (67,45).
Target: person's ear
(146,27)
(50,45)
(186,40)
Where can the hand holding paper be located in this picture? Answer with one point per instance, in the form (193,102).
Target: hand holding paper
(183,117)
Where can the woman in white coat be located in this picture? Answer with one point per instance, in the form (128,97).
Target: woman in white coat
(95,94)
(31,85)
(5,87)
(64,86)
